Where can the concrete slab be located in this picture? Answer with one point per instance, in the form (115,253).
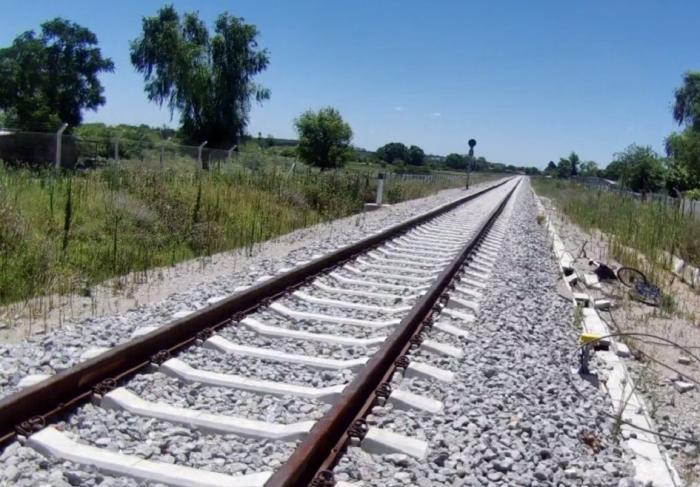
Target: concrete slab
(384,275)
(123,399)
(463,317)
(217,342)
(591,280)
(183,371)
(349,304)
(144,330)
(382,442)
(419,369)
(269,330)
(51,442)
(442,348)
(92,352)
(303,315)
(354,292)
(31,380)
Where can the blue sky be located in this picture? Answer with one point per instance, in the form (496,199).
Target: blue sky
(531,81)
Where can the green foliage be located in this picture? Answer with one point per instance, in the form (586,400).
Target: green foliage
(416,156)
(574,161)
(324,138)
(551,169)
(456,161)
(686,109)
(639,168)
(207,78)
(394,152)
(684,169)
(51,78)
(589,168)
(563,168)
(129,218)
(652,228)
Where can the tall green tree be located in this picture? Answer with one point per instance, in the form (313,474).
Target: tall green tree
(564,168)
(51,77)
(589,168)
(206,77)
(640,168)
(551,169)
(574,161)
(684,148)
(684,168)
(324,138)
(393,152)
(686,109)
(456,161)
(416,156)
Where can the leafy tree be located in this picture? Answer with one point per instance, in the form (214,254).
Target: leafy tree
(574,161)
(684,167)
(686,109)
(532,171)
(481,164)
(589,168)
(206,77)
(394,151)
(684,148)
(324,138)
(52,77)
(416,156)
(563,168)
(551,169)
(640,168)
(456,161)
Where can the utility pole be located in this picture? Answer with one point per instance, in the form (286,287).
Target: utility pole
(470,158)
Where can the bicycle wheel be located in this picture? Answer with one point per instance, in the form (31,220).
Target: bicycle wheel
(630,276)
(646,293)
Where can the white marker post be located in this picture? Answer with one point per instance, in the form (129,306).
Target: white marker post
(380,189)
(59,139)
(199,154)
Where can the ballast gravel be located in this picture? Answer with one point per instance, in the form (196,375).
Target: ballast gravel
(62,347)
(513,415)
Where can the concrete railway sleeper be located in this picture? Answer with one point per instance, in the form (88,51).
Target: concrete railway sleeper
(328,335)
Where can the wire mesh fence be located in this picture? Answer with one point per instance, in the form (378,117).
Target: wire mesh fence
(685,206)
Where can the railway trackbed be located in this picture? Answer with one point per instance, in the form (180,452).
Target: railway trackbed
(290,367)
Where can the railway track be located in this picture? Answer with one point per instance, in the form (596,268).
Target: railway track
(292,368)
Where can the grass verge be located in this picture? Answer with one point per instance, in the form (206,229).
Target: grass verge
(650,228)
(63,233)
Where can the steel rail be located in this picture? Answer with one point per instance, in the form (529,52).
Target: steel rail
(29,409)
(325,443)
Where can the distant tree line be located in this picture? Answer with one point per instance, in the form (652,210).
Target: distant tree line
(639,168)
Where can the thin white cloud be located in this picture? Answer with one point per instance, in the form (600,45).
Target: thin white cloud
(398,108)
(436,114)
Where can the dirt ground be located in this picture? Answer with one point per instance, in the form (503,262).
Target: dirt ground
(658,367)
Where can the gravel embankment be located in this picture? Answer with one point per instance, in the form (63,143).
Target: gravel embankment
(511,417)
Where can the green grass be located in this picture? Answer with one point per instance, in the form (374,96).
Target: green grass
(651,228)
(65,232)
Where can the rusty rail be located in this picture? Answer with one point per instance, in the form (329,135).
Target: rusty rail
(29,409)
(324,444)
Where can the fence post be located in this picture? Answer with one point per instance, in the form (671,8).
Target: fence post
(380,188)
(199,154)
(59,137)
(230,151)
(116,148)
